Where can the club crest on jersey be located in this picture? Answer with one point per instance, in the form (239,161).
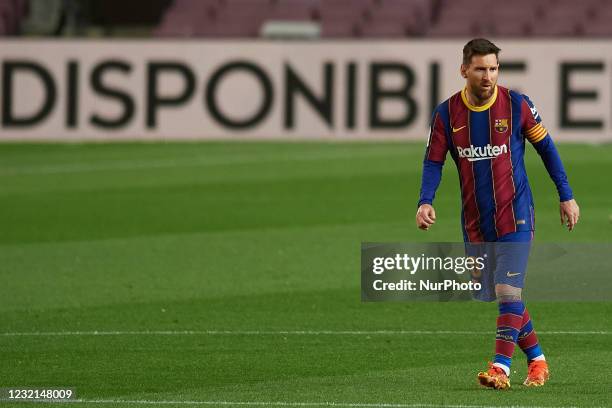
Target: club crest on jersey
(501,125)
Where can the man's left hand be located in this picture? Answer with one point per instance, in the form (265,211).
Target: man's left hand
(570,213)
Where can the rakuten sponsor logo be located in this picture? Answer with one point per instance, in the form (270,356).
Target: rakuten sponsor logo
(474,153)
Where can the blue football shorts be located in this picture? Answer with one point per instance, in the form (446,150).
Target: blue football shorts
(505,262)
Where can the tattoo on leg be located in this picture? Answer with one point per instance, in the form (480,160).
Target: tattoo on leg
(508,298)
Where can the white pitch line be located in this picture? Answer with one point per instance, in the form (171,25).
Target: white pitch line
(298,404)
(282,333)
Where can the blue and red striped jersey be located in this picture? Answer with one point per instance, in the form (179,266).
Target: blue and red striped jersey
(487,143)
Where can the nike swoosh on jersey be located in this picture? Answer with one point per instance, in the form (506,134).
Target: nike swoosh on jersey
(458,129)
(511,274)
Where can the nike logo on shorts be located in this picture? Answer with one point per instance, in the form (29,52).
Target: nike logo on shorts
(512,274)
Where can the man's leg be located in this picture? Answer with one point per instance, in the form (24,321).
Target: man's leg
(537,373)
(528,340)
(509,256)
(509,324)
(515,250)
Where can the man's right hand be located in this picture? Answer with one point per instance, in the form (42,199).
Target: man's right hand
(425,216)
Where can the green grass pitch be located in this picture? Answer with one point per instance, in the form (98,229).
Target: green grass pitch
(254,249)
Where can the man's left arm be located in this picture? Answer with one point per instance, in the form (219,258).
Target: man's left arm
(537,134)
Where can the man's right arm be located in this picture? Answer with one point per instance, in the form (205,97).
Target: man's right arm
(435,154)
(430,180)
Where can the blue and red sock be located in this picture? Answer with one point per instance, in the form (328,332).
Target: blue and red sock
(528,341)
(509,325)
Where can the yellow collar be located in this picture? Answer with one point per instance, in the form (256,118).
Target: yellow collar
(479,108)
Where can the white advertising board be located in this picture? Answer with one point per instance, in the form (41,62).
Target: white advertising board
(151,89)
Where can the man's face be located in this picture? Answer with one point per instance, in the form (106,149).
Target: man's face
(481,75)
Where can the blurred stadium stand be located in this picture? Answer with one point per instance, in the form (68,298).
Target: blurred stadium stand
(331,18)
(392,18)
(12,13)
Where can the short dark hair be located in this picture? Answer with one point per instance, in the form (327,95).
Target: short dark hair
(479,46)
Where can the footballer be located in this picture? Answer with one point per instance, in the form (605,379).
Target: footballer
(485,128)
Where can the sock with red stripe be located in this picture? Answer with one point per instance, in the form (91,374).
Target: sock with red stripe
(509,324)
(528,341)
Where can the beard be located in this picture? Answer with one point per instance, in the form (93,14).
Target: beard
(483,94)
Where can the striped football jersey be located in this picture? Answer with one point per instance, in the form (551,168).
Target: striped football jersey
(487,144)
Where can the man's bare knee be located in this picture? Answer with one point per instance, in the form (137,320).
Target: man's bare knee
(507,293)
